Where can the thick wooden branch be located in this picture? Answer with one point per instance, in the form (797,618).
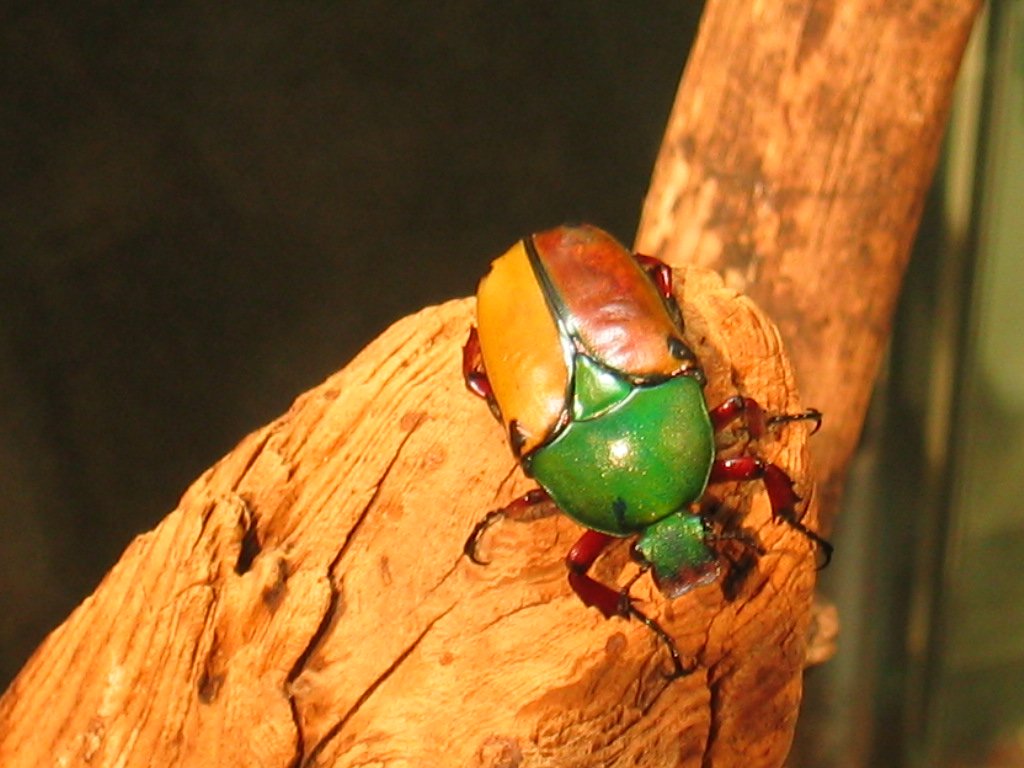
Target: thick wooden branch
(796,163)
(308,602)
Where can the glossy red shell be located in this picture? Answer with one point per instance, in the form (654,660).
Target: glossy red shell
(607,301)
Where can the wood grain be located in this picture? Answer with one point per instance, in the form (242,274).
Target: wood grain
(308,601)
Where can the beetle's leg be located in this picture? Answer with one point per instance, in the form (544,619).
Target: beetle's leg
(610,602)
(473,367)
(758,422)
(660,272)
(731,409)
(811,414)
(781,496)
(523,509)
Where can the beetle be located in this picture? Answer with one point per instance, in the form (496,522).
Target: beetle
(579,351)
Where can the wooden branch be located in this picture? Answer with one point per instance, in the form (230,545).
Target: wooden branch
(796,163)
(308,601)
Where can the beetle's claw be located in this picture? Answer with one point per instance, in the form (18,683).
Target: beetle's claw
(473,542)
(811,414)
(823,544)
(826,549)
(678,668)
(470,550)
(470,547)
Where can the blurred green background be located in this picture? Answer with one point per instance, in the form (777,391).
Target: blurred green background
(206,210)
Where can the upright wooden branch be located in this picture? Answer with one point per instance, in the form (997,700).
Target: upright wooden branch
(796,162)
(308,602)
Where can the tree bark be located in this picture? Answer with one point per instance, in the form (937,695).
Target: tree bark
(796,163)
(308,601)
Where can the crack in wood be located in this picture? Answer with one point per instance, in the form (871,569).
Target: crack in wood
(257,451)
(250,546)
(371,689)
(334,601)
(714,704)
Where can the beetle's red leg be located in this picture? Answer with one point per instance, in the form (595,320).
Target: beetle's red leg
(781,496)
(660,272)
(525,508)
(581,557)
(728,411)
(758,422)
(610,602)
(473,367)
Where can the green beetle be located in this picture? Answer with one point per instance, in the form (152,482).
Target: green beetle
(579,352)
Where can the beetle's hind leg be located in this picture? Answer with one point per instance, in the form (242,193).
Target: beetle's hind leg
(659,272)
(608,601)
(530,506)
(473,372)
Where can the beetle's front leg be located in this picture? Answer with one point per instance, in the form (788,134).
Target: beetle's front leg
(473,367)
(608,601)
(527,507)
(781,496)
